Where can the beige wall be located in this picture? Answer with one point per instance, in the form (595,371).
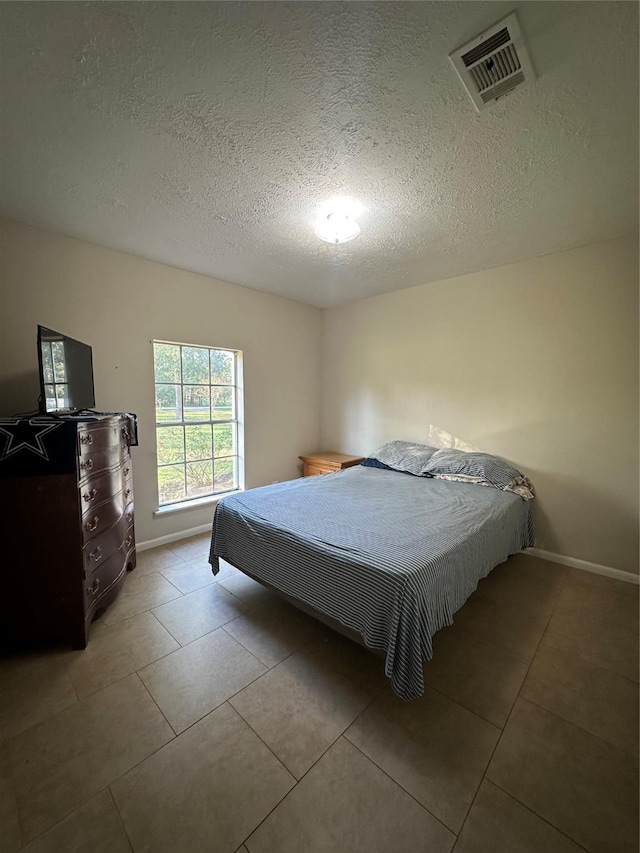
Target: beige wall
(536,362)
(118,303)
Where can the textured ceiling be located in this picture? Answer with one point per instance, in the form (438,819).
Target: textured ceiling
(204,135)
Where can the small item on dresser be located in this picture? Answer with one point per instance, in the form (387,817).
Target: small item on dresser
(326,461)
(66,493)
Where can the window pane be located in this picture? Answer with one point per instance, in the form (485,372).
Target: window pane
(49,395)
(195,365)
(199,478)
(62,396)
(225,474)
(198,441)
(59,366)
(47,362)
(170,444)
(166,359)
(168,403)
(222,408)
(222,367)
(171,483)
(224,440)
(196,402)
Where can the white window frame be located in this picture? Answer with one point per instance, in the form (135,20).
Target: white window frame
(190,502)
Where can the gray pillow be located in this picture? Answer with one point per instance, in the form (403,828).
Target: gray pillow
(474,466)
(405,456)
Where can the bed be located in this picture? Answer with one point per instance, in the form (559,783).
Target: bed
(380,554)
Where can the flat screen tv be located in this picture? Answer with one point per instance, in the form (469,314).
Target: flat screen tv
(66,373)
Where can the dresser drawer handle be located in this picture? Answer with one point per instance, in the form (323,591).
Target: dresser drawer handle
(96,555)
(87,464)
(129,516)
(90,496)
(91,525)
(94,587)
(128,540)
(127,493)
(126,471)
(87,438)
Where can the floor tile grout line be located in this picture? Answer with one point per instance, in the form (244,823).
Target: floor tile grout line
(42,722)
(296,781)
(591,663)
(195,589)
(133,615)
(464,707)
(120,818)
(162,625)
(75,808)
(308,770)
(6,740)
(131,672)
(342,734)
(246,648)
(578,726)
(539,816)
(399,785)
(555,714)
(506,723)
(141,680)
(260,738)
(592,618)
(233,695)
(206,714)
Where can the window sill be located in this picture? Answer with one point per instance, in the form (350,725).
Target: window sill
(194,503)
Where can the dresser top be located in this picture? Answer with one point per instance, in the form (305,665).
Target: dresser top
(45,445)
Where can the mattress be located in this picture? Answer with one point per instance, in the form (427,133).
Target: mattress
(388,556)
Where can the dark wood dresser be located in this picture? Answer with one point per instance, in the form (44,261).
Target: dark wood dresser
(66,510)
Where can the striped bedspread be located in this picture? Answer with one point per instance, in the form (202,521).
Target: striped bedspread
(386,554)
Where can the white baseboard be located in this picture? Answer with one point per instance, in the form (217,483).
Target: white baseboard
(607,571)
(173,537)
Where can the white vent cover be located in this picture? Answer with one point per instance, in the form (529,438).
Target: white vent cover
(494,63)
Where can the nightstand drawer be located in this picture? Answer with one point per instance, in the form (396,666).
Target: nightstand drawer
(310,470)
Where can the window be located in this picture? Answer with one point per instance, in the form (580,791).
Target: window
(196,421)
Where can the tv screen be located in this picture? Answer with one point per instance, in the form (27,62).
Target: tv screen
(66,373)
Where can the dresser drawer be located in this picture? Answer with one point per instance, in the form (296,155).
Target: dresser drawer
(101,580)
(92,439)
(99,550)
(97,489)
(128,514)
(103,518)
(99,462)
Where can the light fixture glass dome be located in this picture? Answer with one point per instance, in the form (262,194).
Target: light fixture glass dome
(336,222)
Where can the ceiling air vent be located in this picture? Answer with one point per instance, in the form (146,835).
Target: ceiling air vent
(493,63)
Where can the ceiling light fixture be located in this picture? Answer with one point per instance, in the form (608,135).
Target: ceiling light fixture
(336,221)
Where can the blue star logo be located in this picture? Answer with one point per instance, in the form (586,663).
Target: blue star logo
(25,435)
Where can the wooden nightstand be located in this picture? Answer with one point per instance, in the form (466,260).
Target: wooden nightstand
(325,462)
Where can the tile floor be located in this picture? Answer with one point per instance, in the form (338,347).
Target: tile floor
(206,715)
